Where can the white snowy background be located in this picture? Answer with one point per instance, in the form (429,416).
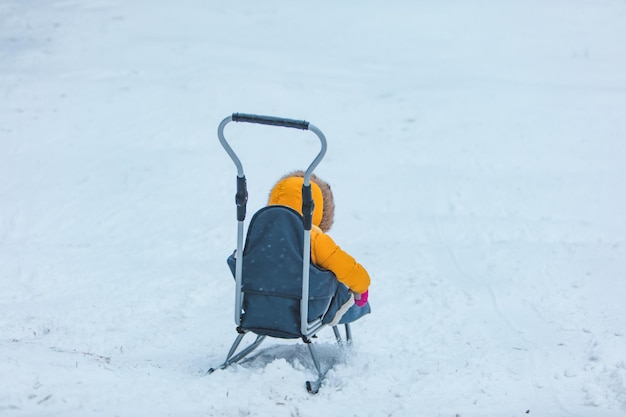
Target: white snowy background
(477,153)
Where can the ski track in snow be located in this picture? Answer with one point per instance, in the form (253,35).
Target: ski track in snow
(477,157)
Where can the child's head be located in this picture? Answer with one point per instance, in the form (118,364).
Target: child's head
(288,192)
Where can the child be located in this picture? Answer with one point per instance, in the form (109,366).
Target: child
(324,251)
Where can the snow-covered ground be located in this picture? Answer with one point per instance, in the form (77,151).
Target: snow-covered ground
(478,159)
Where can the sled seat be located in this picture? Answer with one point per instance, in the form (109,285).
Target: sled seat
(272,277)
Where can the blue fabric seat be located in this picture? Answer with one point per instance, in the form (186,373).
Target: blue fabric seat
(272,278)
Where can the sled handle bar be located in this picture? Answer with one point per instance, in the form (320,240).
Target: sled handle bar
(272,121)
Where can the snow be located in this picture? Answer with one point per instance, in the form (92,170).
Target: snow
(477,157)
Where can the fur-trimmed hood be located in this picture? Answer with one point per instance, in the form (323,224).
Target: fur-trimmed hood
(288,192)
(324,251)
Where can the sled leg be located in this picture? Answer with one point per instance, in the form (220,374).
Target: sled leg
(337,335)
(314,386)
(230,359)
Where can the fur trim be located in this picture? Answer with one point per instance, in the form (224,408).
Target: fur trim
(328,213)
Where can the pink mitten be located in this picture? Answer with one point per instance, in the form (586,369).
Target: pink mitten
(361,299)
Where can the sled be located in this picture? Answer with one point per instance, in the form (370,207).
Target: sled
(279,293)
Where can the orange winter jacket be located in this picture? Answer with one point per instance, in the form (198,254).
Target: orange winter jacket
(325,253)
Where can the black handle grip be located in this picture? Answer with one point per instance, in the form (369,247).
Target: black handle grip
(270,120)
(307,206)
(241,198)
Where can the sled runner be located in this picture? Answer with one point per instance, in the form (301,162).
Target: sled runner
(278,291)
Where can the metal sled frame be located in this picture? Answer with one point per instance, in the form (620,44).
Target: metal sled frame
(311,386)
(307,329)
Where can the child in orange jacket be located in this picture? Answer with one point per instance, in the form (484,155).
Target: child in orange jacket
(325,253)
